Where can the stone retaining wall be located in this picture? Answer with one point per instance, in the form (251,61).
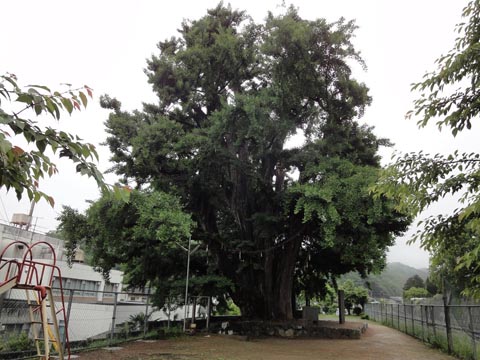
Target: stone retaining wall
(294,329)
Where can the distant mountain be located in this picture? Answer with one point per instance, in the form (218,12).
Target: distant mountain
(388,283)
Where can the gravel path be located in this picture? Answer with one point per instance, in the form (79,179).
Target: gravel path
(378,343)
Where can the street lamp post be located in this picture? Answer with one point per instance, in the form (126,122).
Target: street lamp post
(189,253)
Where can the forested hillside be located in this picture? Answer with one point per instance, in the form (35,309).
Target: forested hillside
(390,282)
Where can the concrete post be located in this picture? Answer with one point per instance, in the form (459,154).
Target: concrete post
(341,306)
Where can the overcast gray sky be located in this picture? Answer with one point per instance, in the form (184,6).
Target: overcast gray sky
(104,44)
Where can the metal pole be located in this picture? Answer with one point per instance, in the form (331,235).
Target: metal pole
(34,226)
(112,331)
(432,317)
(427,324)
(194,310)
(208,312)
(421,319)
(398,316)
(186,284)
(30,213)
(472,330)
(145,318)
(67,320)
(413,320)
(393,324)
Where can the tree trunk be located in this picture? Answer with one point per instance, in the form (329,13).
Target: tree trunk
(268,295)
(283,307)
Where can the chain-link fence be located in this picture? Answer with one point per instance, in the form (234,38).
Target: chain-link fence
(455,328)
(94,318)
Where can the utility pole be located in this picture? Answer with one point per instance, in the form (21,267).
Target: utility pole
(30,214)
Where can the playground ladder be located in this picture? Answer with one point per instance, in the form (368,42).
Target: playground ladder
(41,319)
(35,276)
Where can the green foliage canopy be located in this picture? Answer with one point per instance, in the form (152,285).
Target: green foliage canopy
(143,236)
(414,281)
(415,292)
(140,232)
(354,295)
(431,286)
(231,93)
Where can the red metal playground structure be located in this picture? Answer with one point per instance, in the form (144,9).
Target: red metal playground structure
(19,269)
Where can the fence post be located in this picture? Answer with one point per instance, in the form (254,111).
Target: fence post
(384,316)
(421,320)
(208,312)
(426,323)
(405,317)
(393,324)
(385,308)
(448,327)
(112,332)
(67,319)
(341,306)
(145,318)
(413,321)
(194,310)
(472,331)
(432,316)
(398,316)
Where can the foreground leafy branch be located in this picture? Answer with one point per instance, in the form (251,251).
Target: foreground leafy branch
(21,168)
(417,181)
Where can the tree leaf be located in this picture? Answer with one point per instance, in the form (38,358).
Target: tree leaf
(83,98)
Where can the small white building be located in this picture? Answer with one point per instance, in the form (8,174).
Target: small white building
(92,310)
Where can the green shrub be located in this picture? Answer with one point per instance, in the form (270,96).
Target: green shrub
(18,343)
(173,331)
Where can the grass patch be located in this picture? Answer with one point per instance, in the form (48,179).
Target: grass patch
(335,317)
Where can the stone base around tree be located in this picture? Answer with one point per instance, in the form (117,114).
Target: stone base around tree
(292,329)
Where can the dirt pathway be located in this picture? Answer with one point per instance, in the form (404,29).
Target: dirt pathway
(378,343)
